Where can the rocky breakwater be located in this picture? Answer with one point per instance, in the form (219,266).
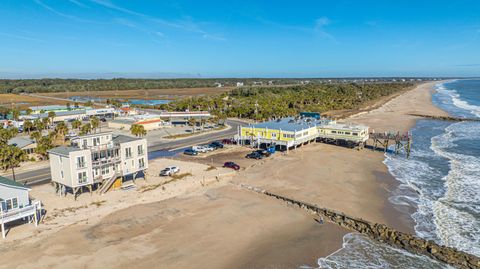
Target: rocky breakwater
(384,234)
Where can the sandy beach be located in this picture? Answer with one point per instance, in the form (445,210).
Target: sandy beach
(206,221)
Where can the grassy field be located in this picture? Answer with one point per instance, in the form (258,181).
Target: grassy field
(24,101)
(167,94)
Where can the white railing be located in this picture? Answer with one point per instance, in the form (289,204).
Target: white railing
(20,213)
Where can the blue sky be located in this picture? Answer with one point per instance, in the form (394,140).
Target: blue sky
(239,38)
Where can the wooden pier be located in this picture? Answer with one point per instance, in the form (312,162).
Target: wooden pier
(402,142)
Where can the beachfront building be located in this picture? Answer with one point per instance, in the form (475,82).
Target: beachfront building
(284,133)
(294,131)
(16,204)
(97,161)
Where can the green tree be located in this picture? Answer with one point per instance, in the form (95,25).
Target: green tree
(69,106)
(94,122)
(138,130)
(61,130)
(28,126)
(86,129)
(76,124)
(44,144)
(36,136)
(51,116)
(193,123)
(15,114)
(39,124)
(7,134)
(29,111)
(10,157)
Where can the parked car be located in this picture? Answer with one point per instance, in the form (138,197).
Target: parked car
(228,141)
(264,152)
(169,171)
(103,119)
(190,152)
(202,149)
(216,145)
(71,134)
(232,165)
(254,155)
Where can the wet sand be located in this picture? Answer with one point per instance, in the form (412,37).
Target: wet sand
(221,226)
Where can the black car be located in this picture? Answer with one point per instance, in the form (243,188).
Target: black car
(190,152)
(254,155)
(216,145)
(264,152)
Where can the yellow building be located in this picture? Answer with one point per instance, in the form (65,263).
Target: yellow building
(291,132)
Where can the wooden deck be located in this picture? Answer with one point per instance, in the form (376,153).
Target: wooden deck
(32,212)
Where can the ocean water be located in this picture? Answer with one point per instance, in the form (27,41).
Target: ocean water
(440,182)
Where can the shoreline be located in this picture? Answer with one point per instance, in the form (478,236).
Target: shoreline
(217,225)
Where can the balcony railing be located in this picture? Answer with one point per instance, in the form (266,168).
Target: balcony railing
(106,160)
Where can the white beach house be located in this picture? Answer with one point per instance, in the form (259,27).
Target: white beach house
(16,204)
(95,161)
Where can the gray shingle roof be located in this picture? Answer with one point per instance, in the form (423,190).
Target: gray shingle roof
(62,150)
(124,138)
(21,142)
(9,182)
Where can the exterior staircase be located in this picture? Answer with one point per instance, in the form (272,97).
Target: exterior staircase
(108,183)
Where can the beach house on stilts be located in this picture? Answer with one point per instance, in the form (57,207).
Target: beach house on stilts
(16,205)
(97,161)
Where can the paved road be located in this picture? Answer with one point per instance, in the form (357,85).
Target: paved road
(42,176)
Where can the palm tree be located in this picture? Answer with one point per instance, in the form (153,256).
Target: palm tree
(7,134)
(202,122)
(39,125)
(10,157)
(36,136)
(29,111)
(51,116)
(94,122)
(28,126)
(138,130)
(86,128)
(61,130)
(193,122)
(44,144)
(15,114)
(76,124)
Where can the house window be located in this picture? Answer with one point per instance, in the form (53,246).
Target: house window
(96,141)
(61,173)
(81,162)
(105,170)
(82,177)
(334,132)
(9,204)
(84,143)
(141,163)
(274,135)
(140,150)
(347,133)
(356,134)
(128,153)
(60,159)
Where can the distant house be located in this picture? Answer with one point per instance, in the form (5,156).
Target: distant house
(24,143)
(239,84)
(16,204)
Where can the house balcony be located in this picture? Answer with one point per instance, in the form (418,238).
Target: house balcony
(105,161)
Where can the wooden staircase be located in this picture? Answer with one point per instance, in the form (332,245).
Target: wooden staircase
(108,183)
